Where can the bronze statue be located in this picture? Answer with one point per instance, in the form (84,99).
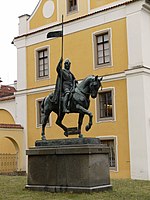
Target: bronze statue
(77,94)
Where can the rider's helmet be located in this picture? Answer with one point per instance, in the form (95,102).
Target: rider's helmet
(67,64)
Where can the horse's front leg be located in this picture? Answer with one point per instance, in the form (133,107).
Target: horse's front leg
(44,122)
(84,111)
(80,121)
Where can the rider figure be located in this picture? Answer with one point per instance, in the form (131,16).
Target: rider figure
(68,82)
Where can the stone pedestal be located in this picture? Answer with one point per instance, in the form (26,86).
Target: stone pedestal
(74,165)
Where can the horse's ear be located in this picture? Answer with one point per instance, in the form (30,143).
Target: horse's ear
(100,78)
(96,78)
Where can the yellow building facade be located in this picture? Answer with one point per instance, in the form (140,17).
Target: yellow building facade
(98,40)
(12,154)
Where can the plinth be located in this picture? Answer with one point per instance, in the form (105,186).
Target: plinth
(68,165)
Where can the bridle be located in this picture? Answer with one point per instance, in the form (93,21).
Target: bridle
(86,93)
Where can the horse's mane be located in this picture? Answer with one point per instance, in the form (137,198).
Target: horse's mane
(86,79)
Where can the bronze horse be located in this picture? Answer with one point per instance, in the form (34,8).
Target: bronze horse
(79,103)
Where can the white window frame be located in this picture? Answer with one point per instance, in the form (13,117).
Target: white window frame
(38,125)
(106,119)
(94,42)
(37,78)
(112,137)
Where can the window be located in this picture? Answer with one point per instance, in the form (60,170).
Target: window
(72,6)
(39,113)
(105,107)
(111,143)
(42,63)
(102,53)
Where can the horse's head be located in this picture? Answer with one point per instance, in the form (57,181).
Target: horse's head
(95,85)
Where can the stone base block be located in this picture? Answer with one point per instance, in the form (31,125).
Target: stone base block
(76,165)
(59,189)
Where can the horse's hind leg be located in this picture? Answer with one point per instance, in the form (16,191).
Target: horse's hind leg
(44,122)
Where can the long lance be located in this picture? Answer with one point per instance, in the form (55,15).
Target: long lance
(62,49)
(52,35)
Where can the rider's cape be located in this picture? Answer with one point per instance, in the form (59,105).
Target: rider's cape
(58,88)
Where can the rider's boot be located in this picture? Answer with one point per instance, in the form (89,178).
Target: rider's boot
(65,102)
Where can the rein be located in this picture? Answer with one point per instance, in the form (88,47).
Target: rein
(83,92)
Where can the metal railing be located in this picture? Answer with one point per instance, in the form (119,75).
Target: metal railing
(8,163)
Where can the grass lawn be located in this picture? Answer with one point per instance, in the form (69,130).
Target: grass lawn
(13,188)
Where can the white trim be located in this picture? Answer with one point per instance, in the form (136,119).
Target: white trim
(35,90)
(107,78)
(116,148)
(138,70)
(114,106)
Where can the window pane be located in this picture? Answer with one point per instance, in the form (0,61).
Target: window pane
(106,46)
(46,67)
(41,62)
(100,47)
(107,52)
(100,60)
(45,60)
(107,59)
(41,73)
(72,5)
(45,53)
(41,54)
(100,39)
(46,72)
(106,37)
(100,54)
(41,68)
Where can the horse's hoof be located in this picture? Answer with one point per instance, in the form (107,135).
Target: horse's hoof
(66,134)
(80,136)
(43,137)
(87,128)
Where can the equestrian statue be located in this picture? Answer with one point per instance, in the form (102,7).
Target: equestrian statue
(70,97)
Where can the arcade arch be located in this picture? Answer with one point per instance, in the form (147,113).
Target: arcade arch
(12,153)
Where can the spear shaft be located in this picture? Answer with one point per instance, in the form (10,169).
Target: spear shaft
(62,49)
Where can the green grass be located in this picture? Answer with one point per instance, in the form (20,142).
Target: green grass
(13,188)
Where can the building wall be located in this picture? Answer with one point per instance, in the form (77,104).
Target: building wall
(6,117)
(82,44)
(38,20)
(96,3)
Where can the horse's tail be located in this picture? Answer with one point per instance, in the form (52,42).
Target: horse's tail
(42,105)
